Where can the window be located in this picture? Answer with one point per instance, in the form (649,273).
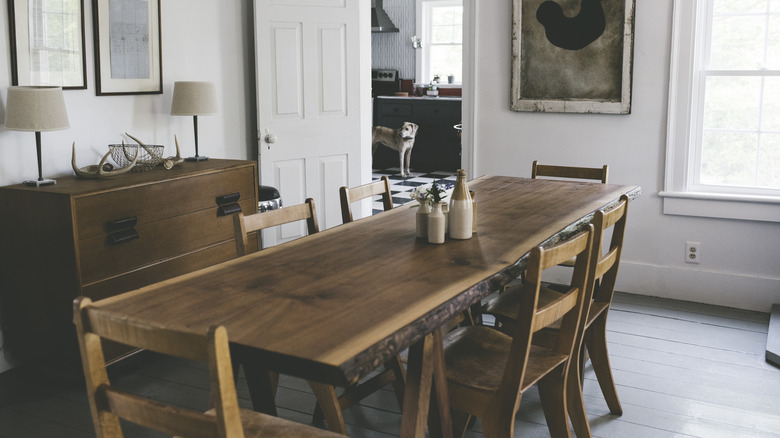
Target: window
(724,116)
(440,24)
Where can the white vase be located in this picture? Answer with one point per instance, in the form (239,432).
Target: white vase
(422,220)
(461,209)
(436,225)
(445,208)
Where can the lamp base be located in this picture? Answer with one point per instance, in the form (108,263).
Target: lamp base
(38,183)
(198,158)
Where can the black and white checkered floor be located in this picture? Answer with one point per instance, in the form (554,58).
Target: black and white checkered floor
(401,187)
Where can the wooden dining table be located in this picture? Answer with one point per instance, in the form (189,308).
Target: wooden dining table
(333,306)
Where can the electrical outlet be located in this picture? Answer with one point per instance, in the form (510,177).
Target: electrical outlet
(693,252)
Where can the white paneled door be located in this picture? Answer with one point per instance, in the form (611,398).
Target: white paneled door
(310,60)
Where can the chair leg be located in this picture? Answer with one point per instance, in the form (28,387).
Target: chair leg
(596,340)
(575,403)
(493,428)
(328,401)
(552,392)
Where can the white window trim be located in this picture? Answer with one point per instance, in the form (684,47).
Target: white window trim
(423,76)
(678,197)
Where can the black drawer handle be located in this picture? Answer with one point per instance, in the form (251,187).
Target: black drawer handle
(228,199)
(122,236)
(228,204)
(121,224)
(227,210)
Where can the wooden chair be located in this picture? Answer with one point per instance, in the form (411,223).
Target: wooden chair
(594,173)
(488,371)
(602,275)
(568,172)
(354,194)
(108,404)
(242,225)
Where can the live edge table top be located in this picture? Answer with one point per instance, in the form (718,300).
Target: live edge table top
(333,306)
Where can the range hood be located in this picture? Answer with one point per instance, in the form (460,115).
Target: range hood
(380,22)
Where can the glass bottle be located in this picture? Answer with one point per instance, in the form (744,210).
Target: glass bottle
(461,209)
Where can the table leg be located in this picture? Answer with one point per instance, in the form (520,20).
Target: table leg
(261,382)
(425,371)
(328,401)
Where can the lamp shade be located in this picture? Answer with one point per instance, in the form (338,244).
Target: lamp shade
(35,109)
(193,99)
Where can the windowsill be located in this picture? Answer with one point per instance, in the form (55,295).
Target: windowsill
(723,206)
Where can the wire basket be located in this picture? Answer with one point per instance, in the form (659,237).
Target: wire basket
(123,156)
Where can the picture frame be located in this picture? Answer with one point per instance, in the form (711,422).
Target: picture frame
(572,56)
(128,47)
(47,43)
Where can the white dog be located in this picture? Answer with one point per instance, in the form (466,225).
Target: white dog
(401,140)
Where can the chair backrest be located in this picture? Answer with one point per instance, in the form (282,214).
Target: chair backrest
(536,315)
(594,173)
(243,225)
(108,404)
(354,194)
(604,265)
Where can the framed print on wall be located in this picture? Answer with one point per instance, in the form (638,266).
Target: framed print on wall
(127,47)
(572,56)
(47,43)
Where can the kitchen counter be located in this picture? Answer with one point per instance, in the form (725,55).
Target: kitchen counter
(448,98)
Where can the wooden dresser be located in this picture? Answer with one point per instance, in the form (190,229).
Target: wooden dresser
(102,237)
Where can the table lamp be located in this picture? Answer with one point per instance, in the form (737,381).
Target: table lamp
(36,109)
(194,99)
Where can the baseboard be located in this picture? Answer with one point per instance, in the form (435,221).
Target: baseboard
(712,287)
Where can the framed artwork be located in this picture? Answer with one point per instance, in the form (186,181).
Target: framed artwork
(127,47)
(572,56)
(47,43)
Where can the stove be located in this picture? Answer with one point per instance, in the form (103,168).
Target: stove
(384,82)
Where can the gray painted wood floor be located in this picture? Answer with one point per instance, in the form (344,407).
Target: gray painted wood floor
(682,369)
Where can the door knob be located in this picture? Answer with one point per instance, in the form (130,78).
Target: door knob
(270,138)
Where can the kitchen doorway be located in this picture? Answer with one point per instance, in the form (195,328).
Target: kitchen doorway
(398,49)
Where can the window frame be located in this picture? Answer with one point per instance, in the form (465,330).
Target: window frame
(680,195)
(423,29)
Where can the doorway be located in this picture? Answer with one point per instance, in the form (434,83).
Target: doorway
(402,51)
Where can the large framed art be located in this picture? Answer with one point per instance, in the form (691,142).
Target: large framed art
(47,43)
(572,56)
(128,47)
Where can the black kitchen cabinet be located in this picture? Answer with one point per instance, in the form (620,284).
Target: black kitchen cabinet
(437,144)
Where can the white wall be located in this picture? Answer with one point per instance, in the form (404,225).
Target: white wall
(740,264)
(201,40)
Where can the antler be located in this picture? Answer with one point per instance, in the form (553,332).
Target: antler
(169,162)
(98,171)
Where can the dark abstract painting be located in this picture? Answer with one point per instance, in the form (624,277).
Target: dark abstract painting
(572,55)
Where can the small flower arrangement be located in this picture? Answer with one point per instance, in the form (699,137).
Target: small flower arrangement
(431,195)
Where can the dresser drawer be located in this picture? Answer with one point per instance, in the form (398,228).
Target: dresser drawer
(154,273)
(154,202)
(156,242)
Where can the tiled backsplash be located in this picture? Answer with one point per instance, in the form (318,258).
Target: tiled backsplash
(394,50)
